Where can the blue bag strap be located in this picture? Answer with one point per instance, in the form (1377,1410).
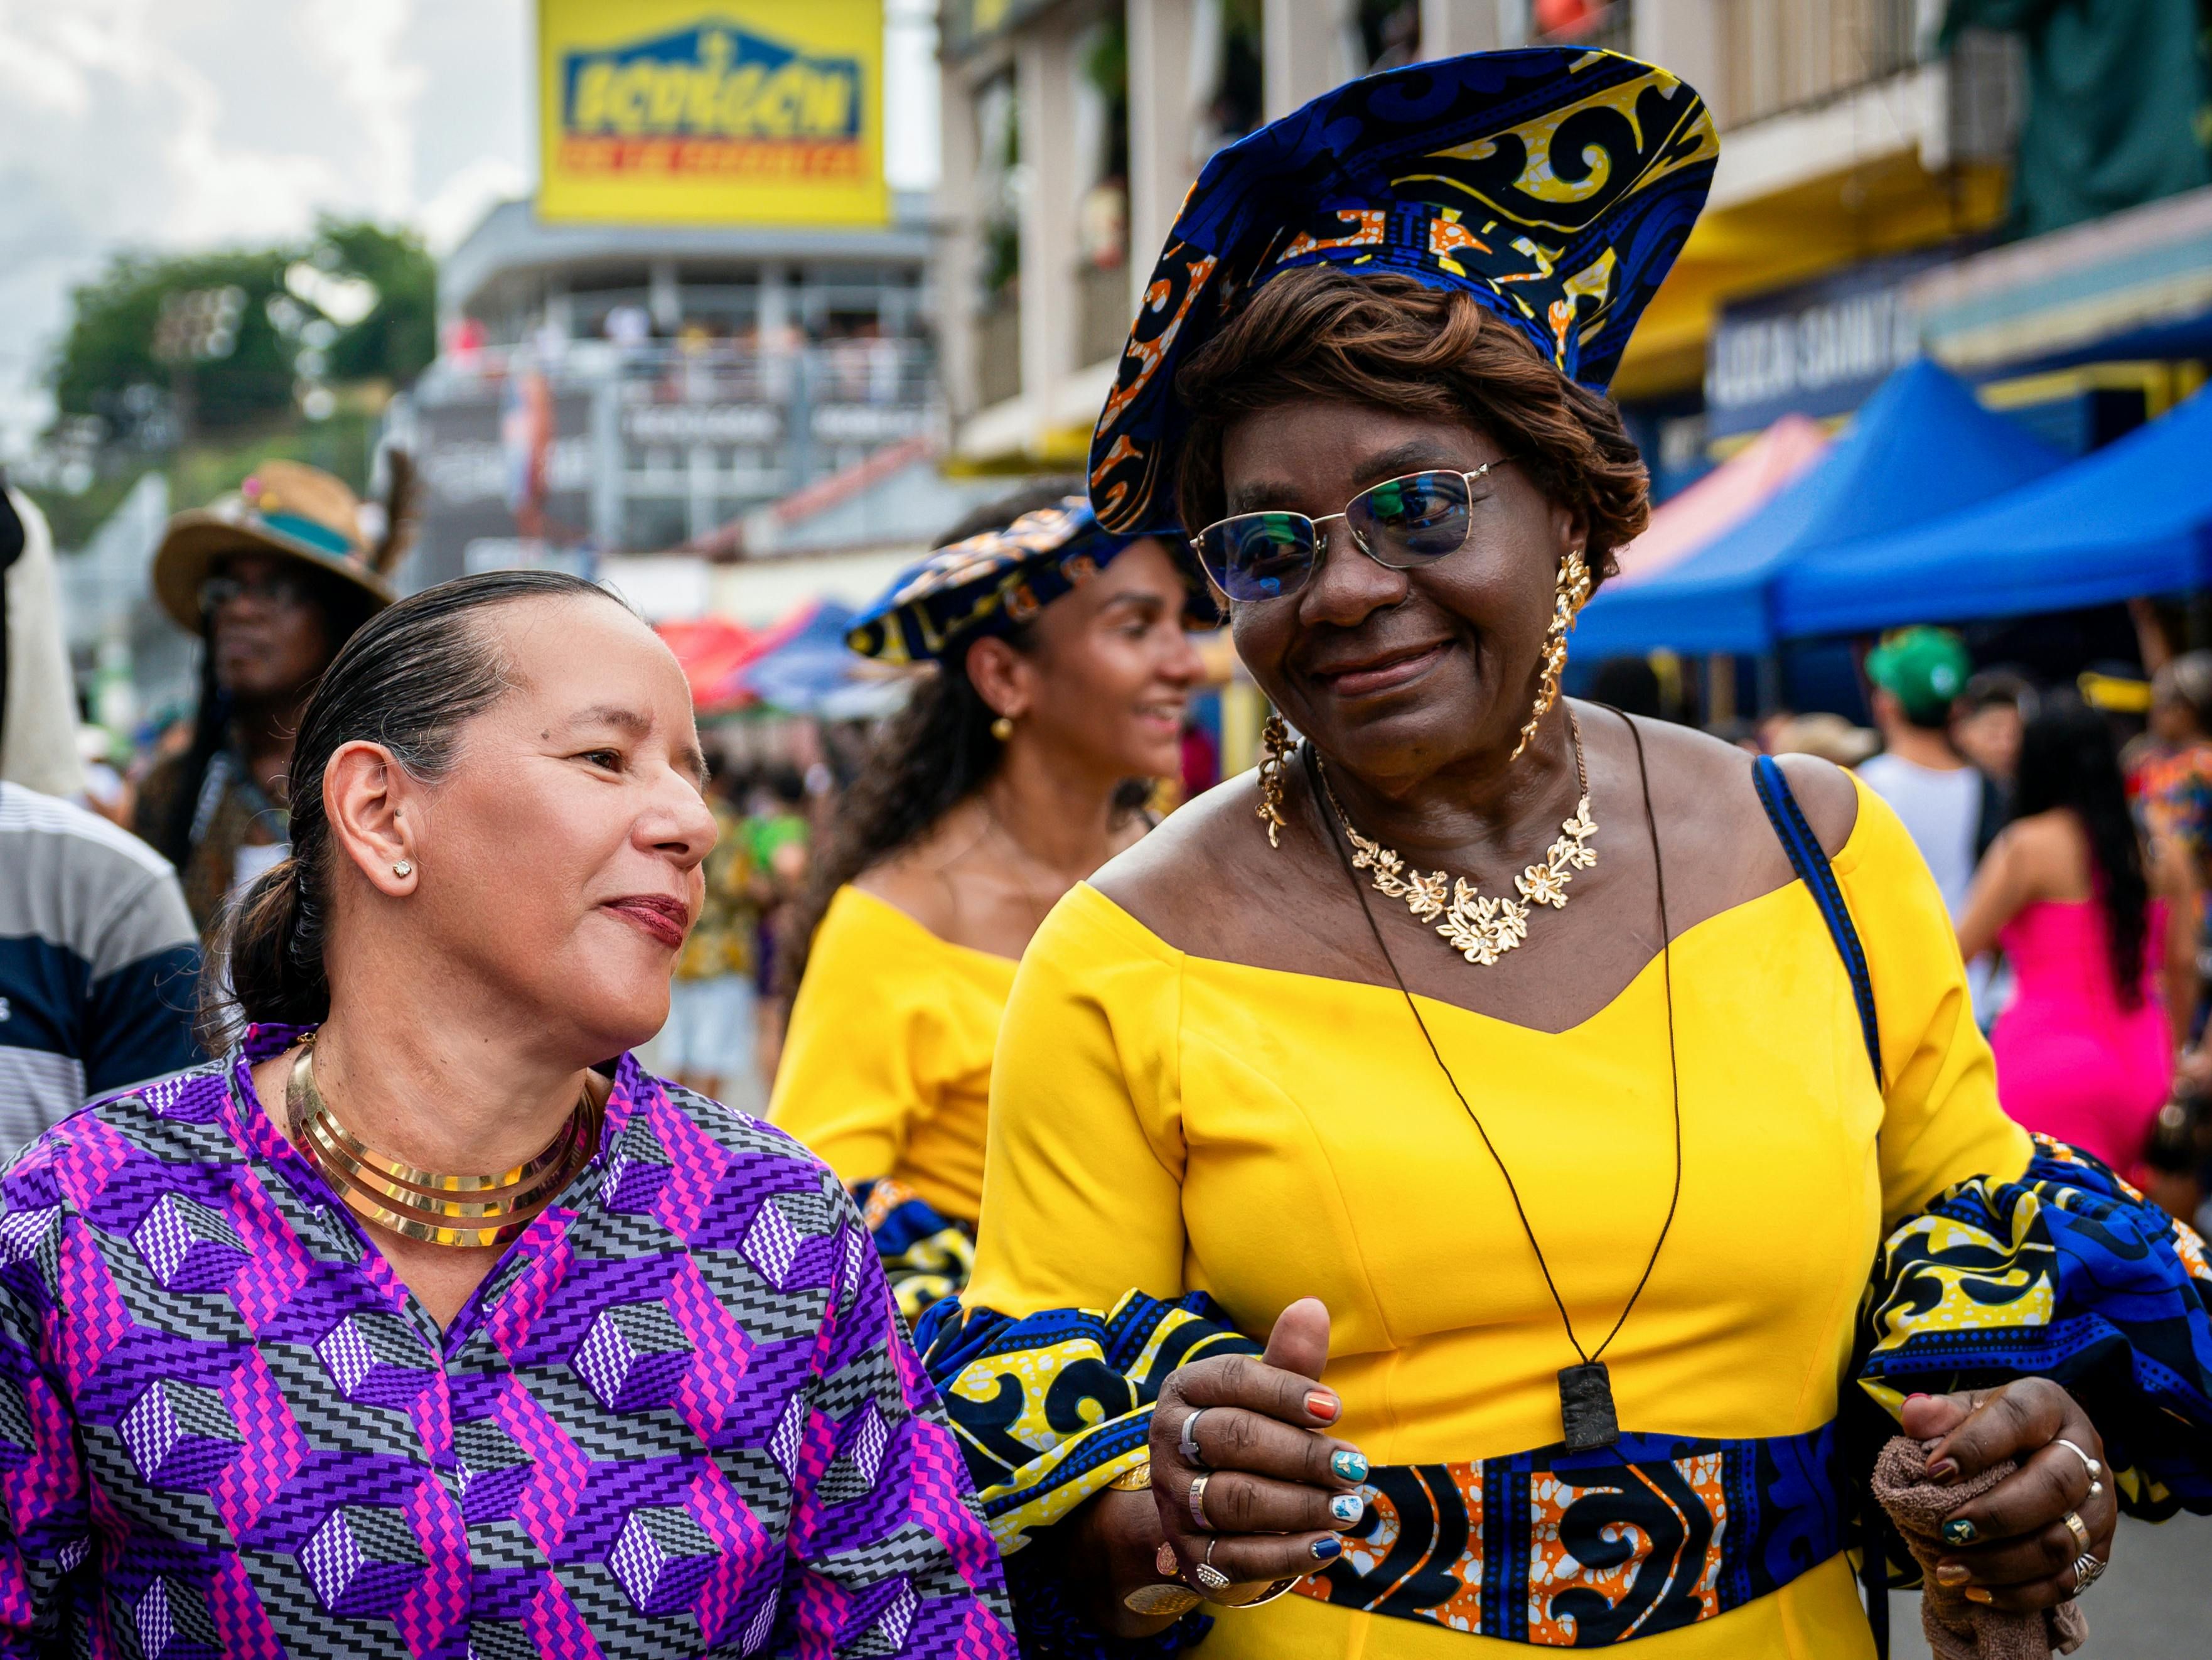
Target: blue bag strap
(1810,860)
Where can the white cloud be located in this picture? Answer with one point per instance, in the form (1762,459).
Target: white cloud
(461,204)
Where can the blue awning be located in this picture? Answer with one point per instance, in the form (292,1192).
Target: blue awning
(1921,447)
(813,665)
(2135,518)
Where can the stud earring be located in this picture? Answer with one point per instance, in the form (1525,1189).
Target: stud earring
(403,868)
(1003,728)
(1567,600)
(1274,750)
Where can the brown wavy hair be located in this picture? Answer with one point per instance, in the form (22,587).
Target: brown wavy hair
(1388,341)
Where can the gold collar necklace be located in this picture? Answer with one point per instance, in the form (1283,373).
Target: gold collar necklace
(1481,928)
(490,1210)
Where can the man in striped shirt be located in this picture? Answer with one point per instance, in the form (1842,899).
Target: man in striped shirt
(98,961)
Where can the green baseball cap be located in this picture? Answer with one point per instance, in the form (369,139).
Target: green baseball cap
(1924,669)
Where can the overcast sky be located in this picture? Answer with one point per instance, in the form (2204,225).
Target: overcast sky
(191,123)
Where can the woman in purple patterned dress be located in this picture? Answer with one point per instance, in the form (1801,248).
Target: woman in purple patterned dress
(275,1381)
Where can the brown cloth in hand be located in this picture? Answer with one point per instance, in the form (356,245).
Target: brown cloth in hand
(1957,1629)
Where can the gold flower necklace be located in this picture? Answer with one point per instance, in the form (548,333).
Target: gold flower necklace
(1482,927)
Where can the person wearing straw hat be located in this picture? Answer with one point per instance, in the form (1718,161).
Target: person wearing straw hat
(273,578)
(1553,1179)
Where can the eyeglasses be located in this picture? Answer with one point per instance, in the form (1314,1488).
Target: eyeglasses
(1401,524)
(281,591)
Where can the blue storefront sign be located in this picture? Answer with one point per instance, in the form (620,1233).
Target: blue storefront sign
(1818,349)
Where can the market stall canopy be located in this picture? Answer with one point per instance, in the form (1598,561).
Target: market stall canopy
(1724,498)
(712,650)
(813,672)
(715,653)
(1922,446)
(2135,518)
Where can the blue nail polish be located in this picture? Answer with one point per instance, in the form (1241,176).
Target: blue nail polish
(1349,1466)
(1347,1506)
(1960,1531)
(1326,1547)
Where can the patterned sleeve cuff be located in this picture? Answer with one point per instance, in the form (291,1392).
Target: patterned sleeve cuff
(2068,1273)
(1052,1407)
(925,1257)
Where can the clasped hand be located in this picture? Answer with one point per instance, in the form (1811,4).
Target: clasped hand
(2012,1547)
(1278,1489)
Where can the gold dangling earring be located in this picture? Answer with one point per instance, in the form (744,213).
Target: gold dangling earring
(1567,601)
(1003,728)
(1274,750)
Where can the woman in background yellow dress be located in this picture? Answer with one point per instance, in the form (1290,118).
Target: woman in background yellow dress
(1061,671)
(1551,1176)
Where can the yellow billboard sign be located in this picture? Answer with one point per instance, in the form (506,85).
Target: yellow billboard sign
(711,111)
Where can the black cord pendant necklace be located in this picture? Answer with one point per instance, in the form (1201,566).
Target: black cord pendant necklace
(1588,1419)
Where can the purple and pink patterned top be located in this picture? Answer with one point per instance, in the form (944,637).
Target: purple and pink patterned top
(679,1418)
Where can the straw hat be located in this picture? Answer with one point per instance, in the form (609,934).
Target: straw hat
(286,508)
(1829,737)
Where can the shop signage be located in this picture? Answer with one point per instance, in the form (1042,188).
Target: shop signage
(687,425)
(1818,349)
(711,111)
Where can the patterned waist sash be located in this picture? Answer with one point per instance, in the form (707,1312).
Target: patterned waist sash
(1579,1550)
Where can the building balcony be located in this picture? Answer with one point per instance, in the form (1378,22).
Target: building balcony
(612,447)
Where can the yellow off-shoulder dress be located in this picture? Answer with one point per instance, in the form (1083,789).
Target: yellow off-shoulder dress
(1176,1123)
(886,1069)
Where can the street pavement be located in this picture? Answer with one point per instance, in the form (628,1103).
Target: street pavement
(2155,1602)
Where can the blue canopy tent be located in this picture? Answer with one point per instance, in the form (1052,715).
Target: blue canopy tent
(816,672)
(2133,518)
(1922,446)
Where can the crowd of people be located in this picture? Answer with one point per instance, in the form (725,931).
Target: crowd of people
(1499,1172)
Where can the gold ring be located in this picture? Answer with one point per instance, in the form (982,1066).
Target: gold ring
(2074,1525)
(1197,1503)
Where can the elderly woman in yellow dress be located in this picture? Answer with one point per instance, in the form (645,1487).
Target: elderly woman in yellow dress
(1544,1087)
(1061,674)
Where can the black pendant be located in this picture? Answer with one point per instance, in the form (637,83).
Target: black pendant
(1586,1407)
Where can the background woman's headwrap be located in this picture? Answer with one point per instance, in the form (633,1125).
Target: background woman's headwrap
(997,580)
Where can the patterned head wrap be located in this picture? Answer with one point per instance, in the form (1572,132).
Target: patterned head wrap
(1555,185)
(997,581)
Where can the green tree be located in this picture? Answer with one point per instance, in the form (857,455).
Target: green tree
(396,340)
(112,363)
(107,365)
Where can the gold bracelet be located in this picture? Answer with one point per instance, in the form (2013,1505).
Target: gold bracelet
(1137,1478)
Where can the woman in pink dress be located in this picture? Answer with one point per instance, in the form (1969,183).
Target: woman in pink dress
(2096,923)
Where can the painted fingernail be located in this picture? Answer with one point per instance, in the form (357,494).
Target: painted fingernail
(1975,1594)
(1348,1465)
(1960,1531)
(1943,1471)
(1322,1405)
(1918,1396)
(1345,1507)
(1163,1561)
(1326,1547)
(1953,1573)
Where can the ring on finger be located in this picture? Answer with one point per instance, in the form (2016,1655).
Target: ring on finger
(1187,1440)
(1197,1503)
(2081,1532)
(2086,1571)
(2095,1469)
(1211,1579)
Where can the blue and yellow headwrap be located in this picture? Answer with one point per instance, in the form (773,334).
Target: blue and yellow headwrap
(1555,185)
(997,581)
